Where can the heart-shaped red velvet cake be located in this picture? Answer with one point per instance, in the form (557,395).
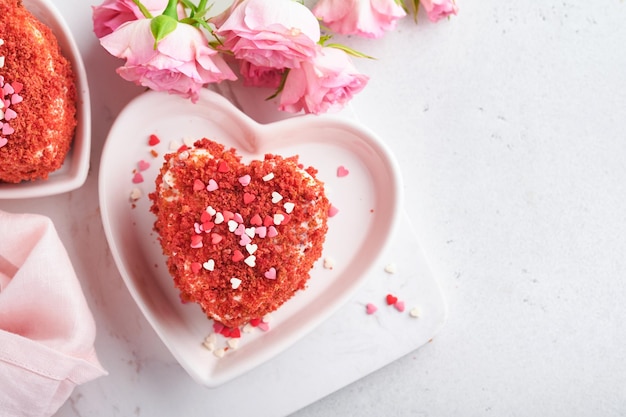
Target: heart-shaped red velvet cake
(240,239)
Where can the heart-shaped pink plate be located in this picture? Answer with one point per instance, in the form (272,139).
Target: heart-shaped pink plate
(361,179)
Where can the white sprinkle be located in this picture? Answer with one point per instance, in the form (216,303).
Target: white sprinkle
(210,341)
(278,218)
(232,225)
(250,232)
(135,194)
(415,312)
(219,352)
(1,62)
(209,265)
(250,261)
(391,268)
(276,197)
(219,218)
(251,248)
(267,318)
(233,343)
(268,177)
(289,207)
(248,328)
(329,263)
(235,283)
(211,210)
(1,41)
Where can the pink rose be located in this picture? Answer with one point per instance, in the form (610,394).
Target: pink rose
(254,76)
(112,13)
(181,63)
(369,18)
(269,33)
(325,83)
(438,9)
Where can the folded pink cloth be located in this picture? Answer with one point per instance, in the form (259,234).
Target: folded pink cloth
(47,331)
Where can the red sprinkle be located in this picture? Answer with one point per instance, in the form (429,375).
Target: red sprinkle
(198,185)
(256,220)
(223,167)
(154,140)
(237,255)
(248,198)
(196,267)
(391,300)
(255,322)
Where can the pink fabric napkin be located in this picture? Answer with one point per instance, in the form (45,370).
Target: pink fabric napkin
(47,331)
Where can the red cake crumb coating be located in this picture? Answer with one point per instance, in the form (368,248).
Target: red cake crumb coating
(207,256)
(46,117)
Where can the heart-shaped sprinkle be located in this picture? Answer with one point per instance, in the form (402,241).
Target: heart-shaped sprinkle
(212,185)
(233,343)
(17,86)
(137,178)
(245,239)
(332,211)
(238,218)
(278,218)
(270,273)
(216,238)
(3,141)
(250,232)
(256,220)
(276,197)
(197,227)
(228,215)
(153,140)
(207,226)
(240,230)
(209,265)
(329,263)
(237,256)
(251,248)
(415,312)
(268,221)
(268,177)
(244,180)
(211,211)
(261,231)
(235,283)
(219,218)
(399,305)
(223,167)
(391,300)
(198,185)
(205,217)
(342,171)
(16,98)
(370,308)
(264,326)
(195,267)
(289,207)
(272,232)
(248,198)
(391,268)
(143,165)
(196,241)
(232,225)
(9,114)
(250,261)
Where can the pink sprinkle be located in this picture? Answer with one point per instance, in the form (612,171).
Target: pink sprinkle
(3,141)
(216,238)
(342,171)
(332,211)
(238,218)
(7,89)
(228,215)
(7,129)
(245,180)
(370,308)
(245,239)
(9,114)
(399,305)
(271,273)
(143,165)
(198,185)
(197,227)
(272,232)
(212,186)
(261,231)
(137,178)
(240,230)
(16,98)
(264,326)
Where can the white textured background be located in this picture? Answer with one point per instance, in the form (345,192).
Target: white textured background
(509,124)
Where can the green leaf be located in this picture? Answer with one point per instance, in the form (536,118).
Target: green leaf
(161,26)
(349,51)
(143,9)
(280,88)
